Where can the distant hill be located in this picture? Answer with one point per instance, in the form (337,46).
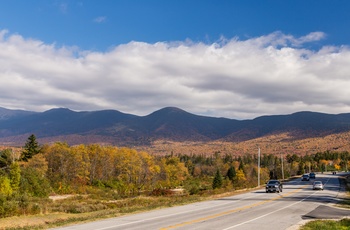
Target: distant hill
(170,123)
(6,114)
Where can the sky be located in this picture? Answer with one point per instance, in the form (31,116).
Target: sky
(238,59)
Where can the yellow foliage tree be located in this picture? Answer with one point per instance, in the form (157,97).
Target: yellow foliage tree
(5,186)
(240,178)
(337,167)
(136,169)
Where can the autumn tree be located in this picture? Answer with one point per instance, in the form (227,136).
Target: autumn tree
(137,170)
(59,158)
(39,163)
(176,171)
(5,186)
(6,158)
(241,178)
(79,165)
(15,176)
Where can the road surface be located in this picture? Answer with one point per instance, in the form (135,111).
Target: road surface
(252,210)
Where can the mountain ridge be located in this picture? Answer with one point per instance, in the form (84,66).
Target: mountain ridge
(169,123)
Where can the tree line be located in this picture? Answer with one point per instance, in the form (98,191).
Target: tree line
(37,171)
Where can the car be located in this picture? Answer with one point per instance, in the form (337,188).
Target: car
(305,177)
(274,186)
(317,185)
(312,175)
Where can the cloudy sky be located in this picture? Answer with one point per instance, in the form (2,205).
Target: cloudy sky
(238,59)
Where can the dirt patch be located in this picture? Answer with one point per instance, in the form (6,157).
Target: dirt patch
(60,197)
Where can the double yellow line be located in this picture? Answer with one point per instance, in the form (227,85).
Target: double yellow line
(231,211)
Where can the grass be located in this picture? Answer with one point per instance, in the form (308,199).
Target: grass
(343,224)
(76,209)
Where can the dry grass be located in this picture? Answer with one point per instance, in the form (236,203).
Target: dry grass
(125,206)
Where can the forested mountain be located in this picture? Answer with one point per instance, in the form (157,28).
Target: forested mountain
(114,127)
(6,114)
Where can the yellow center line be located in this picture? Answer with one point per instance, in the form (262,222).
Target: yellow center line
(230,211)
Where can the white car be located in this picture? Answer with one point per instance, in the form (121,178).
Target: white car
(317,185)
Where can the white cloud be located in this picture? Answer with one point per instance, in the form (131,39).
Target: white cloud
(242,79)
(100,19)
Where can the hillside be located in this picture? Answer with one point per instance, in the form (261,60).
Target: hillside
(270,144)
(167,125)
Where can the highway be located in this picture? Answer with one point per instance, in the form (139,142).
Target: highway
(252,210)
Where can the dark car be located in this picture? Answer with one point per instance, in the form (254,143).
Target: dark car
(312,175)
(305,177)
(274,186)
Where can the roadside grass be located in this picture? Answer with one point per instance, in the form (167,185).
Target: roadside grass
(343,224)
(80,209)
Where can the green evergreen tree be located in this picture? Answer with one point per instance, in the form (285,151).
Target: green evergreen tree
(217,182)
(231,173)
(31,148)
(241,165)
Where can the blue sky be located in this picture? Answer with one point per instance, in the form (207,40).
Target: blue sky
(235,59)
(99,25)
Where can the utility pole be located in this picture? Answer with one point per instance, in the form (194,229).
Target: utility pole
(259,167)
(282,167)
(346,165)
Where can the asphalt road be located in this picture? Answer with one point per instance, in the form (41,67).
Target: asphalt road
(251,210)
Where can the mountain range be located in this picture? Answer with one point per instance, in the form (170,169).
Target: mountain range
(170,123)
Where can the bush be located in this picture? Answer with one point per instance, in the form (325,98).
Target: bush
(192,186)
(8,207)
(34,184)
(161,192)
(98,183)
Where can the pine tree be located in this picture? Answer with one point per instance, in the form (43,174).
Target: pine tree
(241,165)
(217,182)
(31,148)
(231,173)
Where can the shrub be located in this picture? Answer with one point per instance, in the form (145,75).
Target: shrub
(8,207)
(192,186)
(161,192)
(33,183)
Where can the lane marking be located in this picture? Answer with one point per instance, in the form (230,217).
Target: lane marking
(231,211)
(173,214)
(237,225)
